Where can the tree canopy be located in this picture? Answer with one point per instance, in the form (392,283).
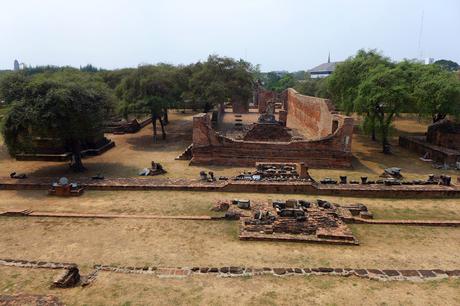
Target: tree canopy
(150,90)
(447,65)
(372,85)
(220,79)
(67,105)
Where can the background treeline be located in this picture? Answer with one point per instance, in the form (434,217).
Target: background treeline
(74,104)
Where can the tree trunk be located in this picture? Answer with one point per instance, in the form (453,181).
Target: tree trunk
(373,137)
(76,163)
(384,132)
(163,133)
(165,116)
(154,125)
(373,134)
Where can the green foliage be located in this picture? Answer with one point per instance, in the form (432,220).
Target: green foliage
(279,81)
(12,86)
(344,82)
(68,105)
(378,89)
(437,92)
(220,79)
(447,65)
(381,96)
(150,90)
(113,78)
(313,87)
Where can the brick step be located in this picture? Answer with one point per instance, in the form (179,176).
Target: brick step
(186,155)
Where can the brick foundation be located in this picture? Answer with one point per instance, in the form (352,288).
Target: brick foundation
(238,271)
(288,187)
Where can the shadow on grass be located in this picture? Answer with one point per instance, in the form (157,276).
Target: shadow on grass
(92,168)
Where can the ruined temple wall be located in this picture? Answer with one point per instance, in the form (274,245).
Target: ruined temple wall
(333,151)
(311,113)
(263,97)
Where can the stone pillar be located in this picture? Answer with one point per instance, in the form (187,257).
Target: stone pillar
(303,170)
(239,107)
(282,117)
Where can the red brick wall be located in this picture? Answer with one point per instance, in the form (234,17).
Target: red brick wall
(312,113)
(263,97)
(333,151)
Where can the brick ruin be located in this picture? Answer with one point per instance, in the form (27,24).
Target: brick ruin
(120,126)
(441,144)
(296,220)
(380,274)
(307,130)
(55,149)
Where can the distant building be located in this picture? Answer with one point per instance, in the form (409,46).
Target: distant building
(428,61)
(16,65)
(323,70)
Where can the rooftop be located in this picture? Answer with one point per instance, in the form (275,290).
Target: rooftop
(326,67)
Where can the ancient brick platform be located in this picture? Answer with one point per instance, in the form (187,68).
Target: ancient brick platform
(317,224)
(286,187)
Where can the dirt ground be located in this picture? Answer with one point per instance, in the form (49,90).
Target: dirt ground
(136,151)
(121,289)
(207,243)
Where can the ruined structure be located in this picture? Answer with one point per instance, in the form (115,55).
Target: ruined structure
(121,126)
(277,172)
(298,220)
(55,149)
(306,130)
(441,143)
(64,188)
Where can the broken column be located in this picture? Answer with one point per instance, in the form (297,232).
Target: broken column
(282,117)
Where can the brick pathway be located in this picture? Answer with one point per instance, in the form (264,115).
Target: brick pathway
(236,271)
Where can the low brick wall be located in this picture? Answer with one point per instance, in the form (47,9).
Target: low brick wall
(288,187)
(235,271)
(418,144)
(238,271)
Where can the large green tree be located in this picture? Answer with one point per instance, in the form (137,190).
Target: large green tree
(343,84)
(66,105)
(151,89)
(447,65)
(12,86)
(436,92)
(220,79)
(382,95)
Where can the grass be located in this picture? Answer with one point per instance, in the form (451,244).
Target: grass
(121,289)
(191,243)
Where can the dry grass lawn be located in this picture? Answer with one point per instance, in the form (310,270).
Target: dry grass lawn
(126,290)
(190,243)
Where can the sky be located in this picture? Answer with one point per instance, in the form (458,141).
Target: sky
(277,34)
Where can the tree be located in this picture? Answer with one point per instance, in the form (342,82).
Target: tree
(287,81)
(150,90)
(67,105)
(12,86)
(382,96)
(447,65)
(344,82)
(220,79)
(436,92)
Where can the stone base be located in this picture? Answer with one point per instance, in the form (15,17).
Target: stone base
(438,154)
(67,155)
